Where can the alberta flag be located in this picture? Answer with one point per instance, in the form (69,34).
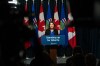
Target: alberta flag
(63,22)
(34,20)
(49,18)
(41,23)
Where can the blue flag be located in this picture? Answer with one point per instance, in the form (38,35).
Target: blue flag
(34,20)
(49,18)
(63,21)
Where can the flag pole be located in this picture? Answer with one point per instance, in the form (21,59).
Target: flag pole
(26,1)
(41,1)
(56,2)
(62,1)
(33,1)
(48,2)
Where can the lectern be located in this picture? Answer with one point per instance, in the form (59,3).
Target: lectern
(53,42)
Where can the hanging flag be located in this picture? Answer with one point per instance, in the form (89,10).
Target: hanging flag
(41,23)
(27,43)
(63,22)
(34,20)
(26,7)
(49,18)
(56,18)
(71,30)
(72,36)
(26,18)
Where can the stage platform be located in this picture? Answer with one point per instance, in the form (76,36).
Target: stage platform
(60,61)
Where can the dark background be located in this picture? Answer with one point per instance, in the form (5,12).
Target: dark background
(12,31)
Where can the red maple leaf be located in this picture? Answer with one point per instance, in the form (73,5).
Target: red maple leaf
(41,26)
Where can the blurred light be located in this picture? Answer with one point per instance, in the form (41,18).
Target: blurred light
(13,2)
(15,7)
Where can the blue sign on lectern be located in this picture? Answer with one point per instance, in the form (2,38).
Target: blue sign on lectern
(53,40)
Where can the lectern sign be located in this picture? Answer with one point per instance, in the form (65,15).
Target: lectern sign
(53,40)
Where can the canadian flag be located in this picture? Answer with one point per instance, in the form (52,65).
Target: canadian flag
(41,23)
(72,36)
(56,18)
(71,30)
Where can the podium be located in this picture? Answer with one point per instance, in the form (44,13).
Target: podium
(53,42)
(53,55)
